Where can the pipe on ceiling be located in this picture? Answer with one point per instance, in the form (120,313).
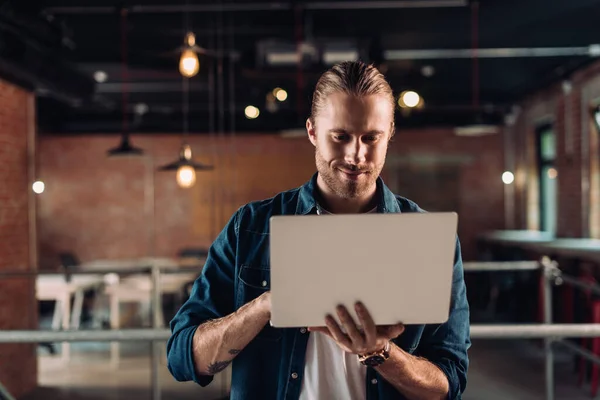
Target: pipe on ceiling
(592,51)
(267,6)
(148,87)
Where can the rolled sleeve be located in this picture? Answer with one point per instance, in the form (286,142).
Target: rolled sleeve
(446,345)
(181,359)
(212,297)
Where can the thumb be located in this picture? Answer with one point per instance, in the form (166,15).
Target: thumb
(398,330)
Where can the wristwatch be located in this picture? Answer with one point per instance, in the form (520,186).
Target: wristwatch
(375,358)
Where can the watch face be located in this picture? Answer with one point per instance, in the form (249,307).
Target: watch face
(374,361)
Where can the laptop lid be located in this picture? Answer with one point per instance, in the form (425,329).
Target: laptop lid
(399,265)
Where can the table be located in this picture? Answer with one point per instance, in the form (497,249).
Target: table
(115,265)
(56,288)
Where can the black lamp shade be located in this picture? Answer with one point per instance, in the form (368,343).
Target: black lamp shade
(174,166)
(185,160)
(125,149)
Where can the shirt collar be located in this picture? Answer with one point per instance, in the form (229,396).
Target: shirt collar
(306,199)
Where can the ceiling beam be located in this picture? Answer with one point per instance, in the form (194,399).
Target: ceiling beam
(148,87)
(517,16)
(268,6)
(530,52)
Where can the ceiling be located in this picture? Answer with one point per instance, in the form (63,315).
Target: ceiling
(55,47)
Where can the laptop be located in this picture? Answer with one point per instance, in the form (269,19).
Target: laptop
(399,265)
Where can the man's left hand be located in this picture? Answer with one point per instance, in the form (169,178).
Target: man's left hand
(369,339)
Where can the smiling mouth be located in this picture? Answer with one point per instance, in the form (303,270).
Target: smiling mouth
(353,175)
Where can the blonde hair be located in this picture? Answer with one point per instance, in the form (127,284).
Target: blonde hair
(354,78)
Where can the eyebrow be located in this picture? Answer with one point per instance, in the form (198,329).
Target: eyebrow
(340,130)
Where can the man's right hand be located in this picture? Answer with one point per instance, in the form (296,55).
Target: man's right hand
(265,303)
(217,342)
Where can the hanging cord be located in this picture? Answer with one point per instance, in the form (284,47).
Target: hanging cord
(124,73)
(232,110)
(211,128)
(186,82)
(299,32)
(186,107)
(221,104)
(475,48)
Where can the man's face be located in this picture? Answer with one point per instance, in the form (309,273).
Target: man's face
(351,137)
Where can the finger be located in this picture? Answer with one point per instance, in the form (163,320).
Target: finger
(369,328)
(350,327)
(398,330)
(336,333)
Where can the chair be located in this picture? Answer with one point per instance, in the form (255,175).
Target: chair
(138,289)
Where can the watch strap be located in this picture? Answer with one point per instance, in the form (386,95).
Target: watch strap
(381,355)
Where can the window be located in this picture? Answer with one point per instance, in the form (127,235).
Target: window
(546,145)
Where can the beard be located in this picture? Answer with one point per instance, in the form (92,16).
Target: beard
(339,184)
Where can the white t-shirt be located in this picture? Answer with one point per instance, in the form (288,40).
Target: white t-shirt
(331,373)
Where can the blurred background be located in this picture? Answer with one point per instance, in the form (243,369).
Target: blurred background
(130,131)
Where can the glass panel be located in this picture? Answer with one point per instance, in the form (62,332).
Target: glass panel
(549,200)
(547,145)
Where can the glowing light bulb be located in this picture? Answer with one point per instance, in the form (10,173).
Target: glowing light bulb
(552,173)
(38,187)
(186,176)
(280,94)
(411,99)
(251,112)
(189,65)
(508,177)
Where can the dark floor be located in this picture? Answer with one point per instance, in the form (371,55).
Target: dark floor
(499,370)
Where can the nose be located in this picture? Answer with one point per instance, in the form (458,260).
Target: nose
(356,151)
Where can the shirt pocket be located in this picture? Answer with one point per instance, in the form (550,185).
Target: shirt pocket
(253,281)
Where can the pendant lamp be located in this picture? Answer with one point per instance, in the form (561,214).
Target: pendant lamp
(186,167)
(125,148)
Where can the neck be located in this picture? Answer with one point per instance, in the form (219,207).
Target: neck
(338,205)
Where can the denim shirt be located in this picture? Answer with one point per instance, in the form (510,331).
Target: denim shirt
(272,365)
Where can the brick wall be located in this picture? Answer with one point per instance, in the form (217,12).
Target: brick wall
(18,308)
(577,155)
(443,172)
(100,208)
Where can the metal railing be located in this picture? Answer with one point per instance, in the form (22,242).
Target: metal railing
(153,335)
(4,395)
(551,333)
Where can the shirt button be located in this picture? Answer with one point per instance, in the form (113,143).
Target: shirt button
(264,283)
(374,381)
(294,375)
(303,330)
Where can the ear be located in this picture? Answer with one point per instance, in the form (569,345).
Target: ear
(392,133)
(312,133)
